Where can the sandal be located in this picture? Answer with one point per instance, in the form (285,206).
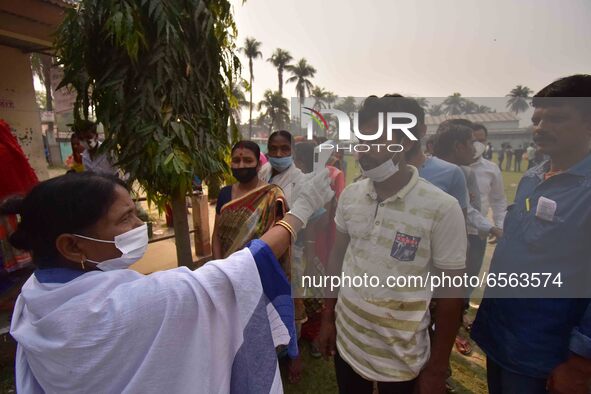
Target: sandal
(463,346)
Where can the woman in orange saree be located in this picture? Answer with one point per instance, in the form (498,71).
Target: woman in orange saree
(245,211)
(248,208)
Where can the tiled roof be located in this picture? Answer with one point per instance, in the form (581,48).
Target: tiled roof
(477,118)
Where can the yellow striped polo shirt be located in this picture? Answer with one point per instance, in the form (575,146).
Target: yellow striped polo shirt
(382,332)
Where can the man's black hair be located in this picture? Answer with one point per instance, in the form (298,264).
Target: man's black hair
(574,90)
(281,133)
(457,121)
(394,103)
(83,125)
(70,203)
(448,135)
(304,152)
(480,126)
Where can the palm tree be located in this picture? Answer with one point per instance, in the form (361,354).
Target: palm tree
(280,59)
(483,109)
(348,105)
(331,98)
(301,73)
(518,99)
(252,51)
(238,99)
(454,104)
(436,110)
(470,107)
(322,97)
(423,102)
(276,109)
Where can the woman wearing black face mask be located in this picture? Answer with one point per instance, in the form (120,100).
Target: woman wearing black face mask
(248,208)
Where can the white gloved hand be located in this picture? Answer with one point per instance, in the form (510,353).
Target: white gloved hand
(313,193)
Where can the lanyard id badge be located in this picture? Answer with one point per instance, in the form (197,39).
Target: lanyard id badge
(546,209)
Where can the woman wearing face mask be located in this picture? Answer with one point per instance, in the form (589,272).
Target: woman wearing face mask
(84,323)
(248,208)
(281,170)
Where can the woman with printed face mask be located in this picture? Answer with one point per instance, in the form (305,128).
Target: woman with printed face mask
(84,323)
(248,208)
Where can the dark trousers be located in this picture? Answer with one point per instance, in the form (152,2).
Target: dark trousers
(350,382)
(502,381)
(517,166)
(476,250)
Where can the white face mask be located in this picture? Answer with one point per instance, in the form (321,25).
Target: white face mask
(89,145)
(381,172)
(479,148)
(132,244)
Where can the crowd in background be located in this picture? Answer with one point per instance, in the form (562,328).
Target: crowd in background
(434,207)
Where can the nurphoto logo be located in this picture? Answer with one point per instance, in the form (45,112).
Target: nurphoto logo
(343,140)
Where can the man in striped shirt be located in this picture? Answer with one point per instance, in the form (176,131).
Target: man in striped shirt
(393,224)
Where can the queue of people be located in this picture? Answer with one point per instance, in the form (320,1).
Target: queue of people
(84,322)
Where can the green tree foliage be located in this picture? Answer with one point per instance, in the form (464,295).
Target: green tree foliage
(280,60)
(518,96)
(322,97)
(252,51)
(423,102)
(276,109)
(453,105)
(238,99)
(436,110)
(348,105)
(157,73)
(458,105)
(301,73)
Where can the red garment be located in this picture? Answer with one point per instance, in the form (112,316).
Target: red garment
(16,174)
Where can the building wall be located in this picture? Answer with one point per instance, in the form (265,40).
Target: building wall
(19,108)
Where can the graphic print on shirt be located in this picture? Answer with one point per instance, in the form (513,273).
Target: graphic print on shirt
(405,247)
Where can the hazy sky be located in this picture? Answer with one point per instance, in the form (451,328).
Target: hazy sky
(428,48)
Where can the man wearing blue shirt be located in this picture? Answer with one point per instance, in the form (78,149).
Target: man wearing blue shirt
(446,176)
(536,345)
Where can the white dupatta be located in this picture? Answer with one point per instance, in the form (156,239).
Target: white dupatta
(212,330)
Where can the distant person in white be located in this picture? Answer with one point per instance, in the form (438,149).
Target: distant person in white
(490,182)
